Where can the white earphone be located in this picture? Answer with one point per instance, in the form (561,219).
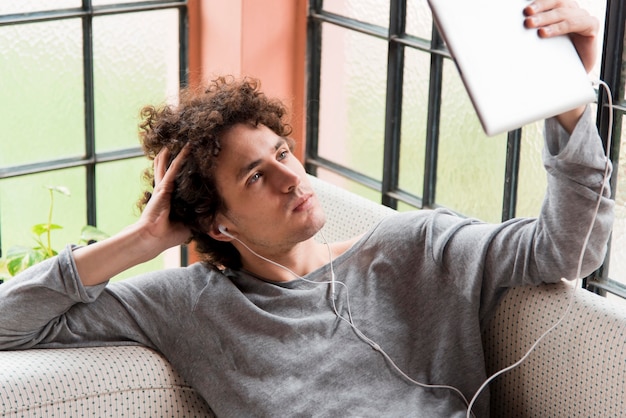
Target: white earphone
(223,230)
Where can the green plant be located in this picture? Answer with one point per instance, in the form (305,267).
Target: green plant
(19,258)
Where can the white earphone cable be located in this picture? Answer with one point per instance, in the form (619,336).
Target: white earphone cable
(375,346)
(350,320)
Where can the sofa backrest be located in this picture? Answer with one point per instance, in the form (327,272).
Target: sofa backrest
(347,214)
(577,370)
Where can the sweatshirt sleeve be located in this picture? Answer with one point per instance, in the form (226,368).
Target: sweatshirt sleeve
(483,260)
(31,301)
(47,306)
(576,166)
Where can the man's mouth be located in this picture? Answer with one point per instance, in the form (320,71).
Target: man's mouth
(303,202)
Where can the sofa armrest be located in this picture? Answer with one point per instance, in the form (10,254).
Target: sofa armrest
(578,369)
(94,382)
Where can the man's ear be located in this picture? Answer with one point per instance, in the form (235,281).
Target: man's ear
(218,230)
(220,233)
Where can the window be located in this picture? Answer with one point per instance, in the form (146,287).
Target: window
(74,76)
(389,118)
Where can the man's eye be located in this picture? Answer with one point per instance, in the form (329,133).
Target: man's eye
(254,178)
(283,155)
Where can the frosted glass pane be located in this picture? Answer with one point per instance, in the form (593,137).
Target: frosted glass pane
(27,6)
(419,19)
(41,80)
(352,99)
(370,11)
(135,63)
(617,266)
(532,176)
(119,185)
(414,117)
(470,169)
(19,211)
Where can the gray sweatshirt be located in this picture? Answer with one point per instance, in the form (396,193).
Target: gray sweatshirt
(421,285)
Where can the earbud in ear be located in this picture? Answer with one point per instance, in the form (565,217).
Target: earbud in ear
(223,230)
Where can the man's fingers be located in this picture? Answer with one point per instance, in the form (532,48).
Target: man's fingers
(163,175)
(539,6)
(554,18)
(160,165)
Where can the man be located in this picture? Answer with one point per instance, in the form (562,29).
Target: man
(274,323)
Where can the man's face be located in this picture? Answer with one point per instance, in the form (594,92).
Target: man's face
(270,201)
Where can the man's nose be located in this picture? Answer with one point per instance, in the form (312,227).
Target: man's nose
(285,178)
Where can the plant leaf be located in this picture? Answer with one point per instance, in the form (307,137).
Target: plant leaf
(89,234)
(4,273)
(20,258)
(43,228)
(60,189)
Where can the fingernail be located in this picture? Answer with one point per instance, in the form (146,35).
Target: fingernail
(530,22)
(530,9)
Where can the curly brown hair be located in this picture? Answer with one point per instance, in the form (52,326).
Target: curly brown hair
(200,119)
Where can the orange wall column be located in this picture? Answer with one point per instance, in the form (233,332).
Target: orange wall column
(261,39)
(264,39)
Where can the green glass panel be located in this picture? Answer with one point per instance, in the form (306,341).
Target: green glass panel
(41,80)
(471,166)
(135,63)
(414,117)
(25,201)
(405,207)
(28,6)
(119,185)
(532,176)
(352,100)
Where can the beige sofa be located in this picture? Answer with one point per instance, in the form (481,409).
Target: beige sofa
(578,370)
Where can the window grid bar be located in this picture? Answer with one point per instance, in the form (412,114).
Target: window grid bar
(348,23)
(63,163)
(603,287)
(314,58)
(183,46)
(183,59)
(511,175)
(435,86)
(88,92)
(393,102)
(421,44)
(346,172)
(46,15)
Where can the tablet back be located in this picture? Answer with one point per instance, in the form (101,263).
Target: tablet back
(513,77)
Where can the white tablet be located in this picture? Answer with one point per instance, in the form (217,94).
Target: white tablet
(513,77)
